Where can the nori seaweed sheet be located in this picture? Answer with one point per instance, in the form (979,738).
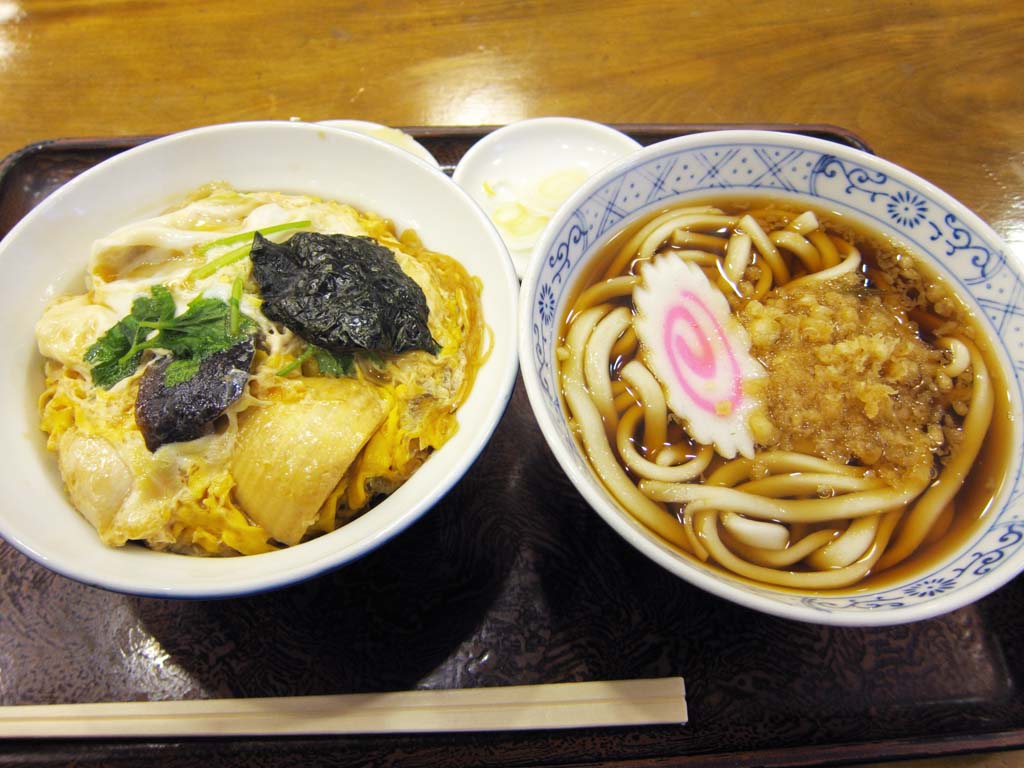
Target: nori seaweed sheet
(186,410)
(341,293)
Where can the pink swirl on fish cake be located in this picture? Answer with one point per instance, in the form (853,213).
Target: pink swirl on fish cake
(701,362)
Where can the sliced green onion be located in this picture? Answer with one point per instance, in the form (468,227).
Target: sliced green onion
(237,254)
(242,237)
(236,306)
(211,267)
(308,353)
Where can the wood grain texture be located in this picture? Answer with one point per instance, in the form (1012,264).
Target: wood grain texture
(512,579)
(934,86)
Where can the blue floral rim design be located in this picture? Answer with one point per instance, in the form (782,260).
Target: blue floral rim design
(852,183)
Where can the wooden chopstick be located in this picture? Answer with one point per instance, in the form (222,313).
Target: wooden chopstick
(524,707)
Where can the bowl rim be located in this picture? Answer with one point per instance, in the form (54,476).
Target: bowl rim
(300,562)
(762,598)
(413,146)
(576,126)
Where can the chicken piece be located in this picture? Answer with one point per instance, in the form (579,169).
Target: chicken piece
(97,478)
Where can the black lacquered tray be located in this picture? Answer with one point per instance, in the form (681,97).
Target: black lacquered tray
(511,579)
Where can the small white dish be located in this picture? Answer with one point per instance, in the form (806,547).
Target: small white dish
(394,136)
(521,173)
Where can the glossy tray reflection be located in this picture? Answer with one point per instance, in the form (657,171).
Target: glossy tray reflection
(510,580)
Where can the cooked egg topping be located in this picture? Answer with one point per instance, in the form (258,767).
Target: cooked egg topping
(303,449)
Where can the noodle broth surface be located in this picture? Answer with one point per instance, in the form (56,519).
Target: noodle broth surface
(920,304)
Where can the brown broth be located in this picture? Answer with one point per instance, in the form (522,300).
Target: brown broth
(986,480)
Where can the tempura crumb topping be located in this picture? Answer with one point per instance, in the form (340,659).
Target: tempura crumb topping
(851,380)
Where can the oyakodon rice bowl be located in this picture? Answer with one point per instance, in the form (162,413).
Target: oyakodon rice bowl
(791,367)
(157,232)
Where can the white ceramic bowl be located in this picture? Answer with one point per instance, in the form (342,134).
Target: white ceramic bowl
(45,254)
(835,177)
(386,133)
(532,166)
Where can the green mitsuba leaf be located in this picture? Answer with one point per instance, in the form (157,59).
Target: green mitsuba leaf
(116,354)
(331,364)
(208,326)
(201,330)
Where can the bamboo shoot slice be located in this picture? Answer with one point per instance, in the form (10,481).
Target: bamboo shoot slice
(290,455)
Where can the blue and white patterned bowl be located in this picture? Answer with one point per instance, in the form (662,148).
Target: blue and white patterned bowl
(894,201)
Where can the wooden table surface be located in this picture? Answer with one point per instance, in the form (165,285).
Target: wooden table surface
(934,85)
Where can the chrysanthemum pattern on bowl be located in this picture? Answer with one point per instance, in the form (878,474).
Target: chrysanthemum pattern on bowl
(899,205)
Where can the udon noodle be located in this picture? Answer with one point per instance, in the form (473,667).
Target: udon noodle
(776,393)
